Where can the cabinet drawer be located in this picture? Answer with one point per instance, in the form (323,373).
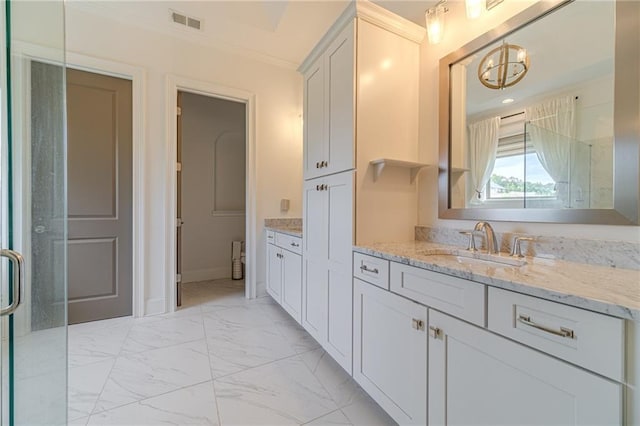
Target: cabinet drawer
(454,296)
(289,242)
(585,338)
(271,237)
(371,269)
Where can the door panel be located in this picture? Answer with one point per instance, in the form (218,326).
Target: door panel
(315,303)
(94,265)
(476,377)
(292,284)
(315,231)
(314,131)
(390,354)
(274,277)
(339,254)
(340,104)
(100,196)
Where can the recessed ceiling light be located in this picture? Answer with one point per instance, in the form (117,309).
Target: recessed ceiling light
(507,101)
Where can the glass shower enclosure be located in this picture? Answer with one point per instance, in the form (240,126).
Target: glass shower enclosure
(33,299)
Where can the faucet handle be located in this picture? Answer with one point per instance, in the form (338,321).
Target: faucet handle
(516,248)
(472,240)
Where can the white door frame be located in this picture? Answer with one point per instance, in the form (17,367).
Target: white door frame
(177,83)
(137,76)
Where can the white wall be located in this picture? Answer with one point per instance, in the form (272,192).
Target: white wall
(458,32)
(213,169)
(278,125)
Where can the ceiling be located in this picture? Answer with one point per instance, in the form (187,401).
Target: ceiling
(280,30)
(567,48)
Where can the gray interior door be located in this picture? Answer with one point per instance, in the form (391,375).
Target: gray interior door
(99,196)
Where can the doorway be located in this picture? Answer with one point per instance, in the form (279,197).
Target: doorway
(210,189)
(99,161)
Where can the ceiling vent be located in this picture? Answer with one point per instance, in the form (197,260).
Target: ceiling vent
(184,20)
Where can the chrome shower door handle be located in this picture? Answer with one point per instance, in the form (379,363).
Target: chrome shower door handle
(17,284)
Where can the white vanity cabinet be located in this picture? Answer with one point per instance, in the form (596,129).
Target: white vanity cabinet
(435,349)
(360,103)
(274,272)
(284,272)
(477,377)
(327,289)
(390,351)
(329,108)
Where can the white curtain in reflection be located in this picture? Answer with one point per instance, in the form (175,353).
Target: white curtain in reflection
(552,127)
(483,146)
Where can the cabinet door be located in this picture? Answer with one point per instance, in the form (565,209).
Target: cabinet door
(292,284)
(314,120)
(477,377)
(339,262)
(314,261)
(274,272)
(340,103)
(390,352)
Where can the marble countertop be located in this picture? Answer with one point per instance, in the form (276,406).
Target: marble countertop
(293,230)
(611,291)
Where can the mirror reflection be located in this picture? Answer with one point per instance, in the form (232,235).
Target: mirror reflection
(532,123)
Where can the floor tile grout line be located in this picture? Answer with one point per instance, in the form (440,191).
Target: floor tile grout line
(258,366)
(115,361)
(213,386)
(319,417)
(151,397)
(123,353)
(340,406)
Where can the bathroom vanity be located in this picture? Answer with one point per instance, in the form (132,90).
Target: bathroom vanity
(446,339)
(284,268)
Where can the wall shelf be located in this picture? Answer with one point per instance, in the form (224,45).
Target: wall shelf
(458,170)
(381,163)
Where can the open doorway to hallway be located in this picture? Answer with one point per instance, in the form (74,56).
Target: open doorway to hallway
(211,189)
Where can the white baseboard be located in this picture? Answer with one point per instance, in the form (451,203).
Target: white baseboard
(206,274)
(155,306)
(261,289)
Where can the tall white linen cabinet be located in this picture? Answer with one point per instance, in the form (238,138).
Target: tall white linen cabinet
(361,85)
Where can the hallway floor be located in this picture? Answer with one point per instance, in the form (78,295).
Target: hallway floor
(220,360)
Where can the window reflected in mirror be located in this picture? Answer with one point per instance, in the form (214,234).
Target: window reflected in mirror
(542,138)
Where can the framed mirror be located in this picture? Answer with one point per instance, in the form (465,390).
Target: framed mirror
(540,118)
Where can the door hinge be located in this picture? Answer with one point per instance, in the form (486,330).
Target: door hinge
(178,278)
(178,167)
(179,222)
(178,111)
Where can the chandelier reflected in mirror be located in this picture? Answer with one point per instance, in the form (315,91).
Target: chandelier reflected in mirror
(503,66)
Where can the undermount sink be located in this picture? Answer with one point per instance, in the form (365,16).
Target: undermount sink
(477,258)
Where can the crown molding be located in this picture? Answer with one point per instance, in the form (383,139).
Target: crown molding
(184,34)
(371,13)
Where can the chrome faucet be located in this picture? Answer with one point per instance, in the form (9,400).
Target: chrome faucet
(490,237)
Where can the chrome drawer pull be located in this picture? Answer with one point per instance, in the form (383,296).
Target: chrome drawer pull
(295,245)
(563,332)
(364,268)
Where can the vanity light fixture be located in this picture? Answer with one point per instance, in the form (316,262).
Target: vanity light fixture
(434,17)
(503,66)
(474,8)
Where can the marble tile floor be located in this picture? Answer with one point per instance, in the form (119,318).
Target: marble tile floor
(219,360)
